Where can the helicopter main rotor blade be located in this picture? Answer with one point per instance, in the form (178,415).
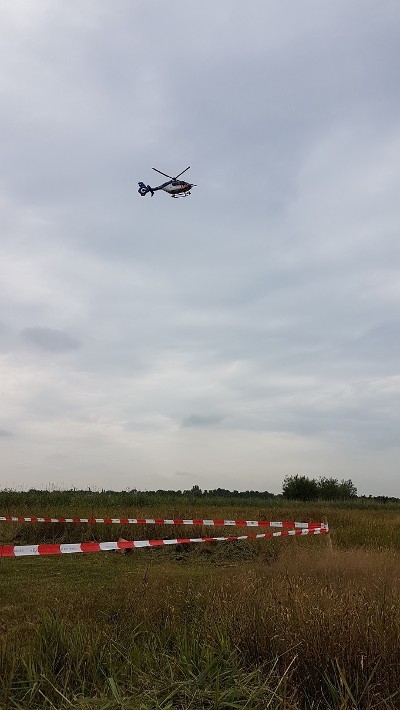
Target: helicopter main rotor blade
(165,174)
(183,171)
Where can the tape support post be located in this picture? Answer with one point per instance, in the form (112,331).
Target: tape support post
(70,548)
(166,521)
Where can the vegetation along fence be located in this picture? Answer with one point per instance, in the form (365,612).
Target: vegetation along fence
(288,528)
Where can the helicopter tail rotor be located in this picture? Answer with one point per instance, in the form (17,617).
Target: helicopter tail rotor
(144,189)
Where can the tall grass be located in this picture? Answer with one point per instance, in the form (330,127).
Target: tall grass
(302,629)
(286,624)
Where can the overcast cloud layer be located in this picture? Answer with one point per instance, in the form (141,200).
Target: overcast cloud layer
(228,339)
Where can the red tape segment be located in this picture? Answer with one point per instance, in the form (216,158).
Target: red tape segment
(165,521)
(70,548)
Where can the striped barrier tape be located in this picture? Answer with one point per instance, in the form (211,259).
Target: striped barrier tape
(70,548)
(165,521)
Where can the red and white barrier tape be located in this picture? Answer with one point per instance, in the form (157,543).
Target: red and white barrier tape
(69,548)
(165,521)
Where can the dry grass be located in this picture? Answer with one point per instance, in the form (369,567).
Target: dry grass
(283,624)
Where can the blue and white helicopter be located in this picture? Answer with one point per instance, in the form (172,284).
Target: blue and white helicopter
(174,187)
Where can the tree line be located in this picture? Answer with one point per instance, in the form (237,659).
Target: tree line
(296,487)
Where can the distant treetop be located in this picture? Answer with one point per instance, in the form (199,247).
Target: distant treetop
(305,488)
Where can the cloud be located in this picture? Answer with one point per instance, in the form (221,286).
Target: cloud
(4,433)
(201,420)
(52,340)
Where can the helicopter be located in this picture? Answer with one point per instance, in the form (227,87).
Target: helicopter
(174,187)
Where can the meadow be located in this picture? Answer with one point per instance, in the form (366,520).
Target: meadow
(288,623)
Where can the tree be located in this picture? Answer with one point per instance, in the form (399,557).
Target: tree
(304,488)
(328,488)
(196,491)
(347,489)
(331,489)
(300,488)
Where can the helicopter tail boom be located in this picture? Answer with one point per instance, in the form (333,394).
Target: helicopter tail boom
(144,189)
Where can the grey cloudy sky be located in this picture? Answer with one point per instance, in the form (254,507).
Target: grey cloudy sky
(228,339)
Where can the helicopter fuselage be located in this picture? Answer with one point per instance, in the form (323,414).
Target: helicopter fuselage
(177,187)
(174,187)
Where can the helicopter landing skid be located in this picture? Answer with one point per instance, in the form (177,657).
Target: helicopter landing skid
(185,194)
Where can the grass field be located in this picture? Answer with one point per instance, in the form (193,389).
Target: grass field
(285,623)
